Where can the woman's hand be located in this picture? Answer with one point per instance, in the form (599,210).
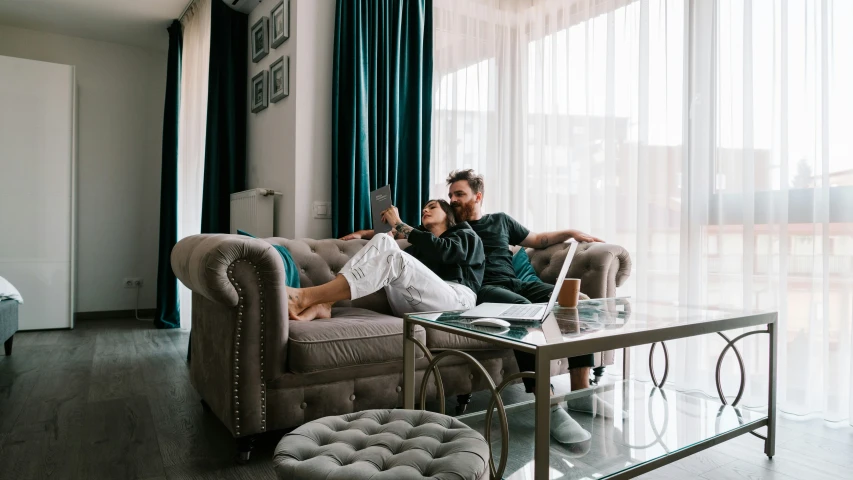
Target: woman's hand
(366,234)
(391,216)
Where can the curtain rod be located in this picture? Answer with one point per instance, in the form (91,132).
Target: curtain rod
(186,9)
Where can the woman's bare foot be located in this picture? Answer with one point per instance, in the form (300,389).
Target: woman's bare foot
(296,302)
(323,310)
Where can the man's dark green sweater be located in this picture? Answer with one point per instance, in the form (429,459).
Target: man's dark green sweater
(456,256)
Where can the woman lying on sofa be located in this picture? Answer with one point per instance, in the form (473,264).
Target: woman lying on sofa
(442,269)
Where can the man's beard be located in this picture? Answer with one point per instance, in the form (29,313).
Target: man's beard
(464,211)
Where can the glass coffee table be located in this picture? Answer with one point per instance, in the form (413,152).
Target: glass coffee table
(652,426)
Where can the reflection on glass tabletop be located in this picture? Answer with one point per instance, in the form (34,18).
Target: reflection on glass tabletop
(593,318)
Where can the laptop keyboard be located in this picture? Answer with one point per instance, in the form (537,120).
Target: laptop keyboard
(522,310)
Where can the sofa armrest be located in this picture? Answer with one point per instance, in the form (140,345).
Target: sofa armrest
(240,323)
(601,266)
(201,263)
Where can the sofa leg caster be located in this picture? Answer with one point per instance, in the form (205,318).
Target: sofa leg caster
(244,449)
(7,346)
(462,403)
(597,372)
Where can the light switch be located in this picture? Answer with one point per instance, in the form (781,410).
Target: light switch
(322,210)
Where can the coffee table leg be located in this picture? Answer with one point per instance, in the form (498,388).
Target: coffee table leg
(408,365)
(626,391)
(770,443)
(543,417)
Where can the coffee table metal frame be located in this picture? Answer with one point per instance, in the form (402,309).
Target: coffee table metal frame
(581,346)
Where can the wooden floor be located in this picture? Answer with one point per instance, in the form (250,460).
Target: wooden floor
(112,399)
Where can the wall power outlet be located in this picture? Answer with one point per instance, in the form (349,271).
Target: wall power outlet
(132,282)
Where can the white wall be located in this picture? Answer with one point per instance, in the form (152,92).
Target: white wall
(272,132)
(314,114)
(121,92)
(289,143)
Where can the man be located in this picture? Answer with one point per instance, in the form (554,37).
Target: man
(500,285)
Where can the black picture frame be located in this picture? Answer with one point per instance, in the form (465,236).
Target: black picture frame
(259,39)
(279,79)
(280,23)
(259,93)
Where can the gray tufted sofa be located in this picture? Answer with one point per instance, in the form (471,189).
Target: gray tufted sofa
(258,371)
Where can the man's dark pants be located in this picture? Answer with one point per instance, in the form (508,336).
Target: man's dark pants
(515,291)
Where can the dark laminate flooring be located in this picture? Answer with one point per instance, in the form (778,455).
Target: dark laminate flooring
(112,399)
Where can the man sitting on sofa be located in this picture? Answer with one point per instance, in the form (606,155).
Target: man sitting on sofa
(500,285)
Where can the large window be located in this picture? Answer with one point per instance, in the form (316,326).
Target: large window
(712,139)
(783,94)
(463,110)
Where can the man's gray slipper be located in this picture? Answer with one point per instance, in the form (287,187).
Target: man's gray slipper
(565,429)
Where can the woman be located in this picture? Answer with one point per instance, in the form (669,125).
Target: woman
(441,270)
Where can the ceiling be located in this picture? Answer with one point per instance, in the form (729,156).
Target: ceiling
(141,23)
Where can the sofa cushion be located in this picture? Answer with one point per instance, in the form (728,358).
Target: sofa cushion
(523,269)
(353,336)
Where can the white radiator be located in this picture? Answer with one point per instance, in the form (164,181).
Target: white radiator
(252,211)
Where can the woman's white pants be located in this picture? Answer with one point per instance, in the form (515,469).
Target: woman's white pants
(409,284)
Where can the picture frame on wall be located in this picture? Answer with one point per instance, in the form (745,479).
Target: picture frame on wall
(279,79)
(260,39)
(280,23)
(259,91)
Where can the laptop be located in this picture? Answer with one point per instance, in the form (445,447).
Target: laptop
(512,311)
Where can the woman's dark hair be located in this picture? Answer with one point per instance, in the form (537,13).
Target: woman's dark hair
(448,210)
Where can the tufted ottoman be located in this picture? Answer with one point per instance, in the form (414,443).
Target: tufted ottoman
(383,445)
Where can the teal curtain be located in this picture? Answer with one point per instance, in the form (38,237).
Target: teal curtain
(382,101)
(168,313)
(225,142)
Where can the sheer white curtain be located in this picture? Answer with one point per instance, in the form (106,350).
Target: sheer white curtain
(191,129)
(710,138)
(773,214)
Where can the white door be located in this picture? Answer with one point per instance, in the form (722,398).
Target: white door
(37,145)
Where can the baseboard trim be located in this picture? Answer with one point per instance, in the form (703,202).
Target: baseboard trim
(114,314)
